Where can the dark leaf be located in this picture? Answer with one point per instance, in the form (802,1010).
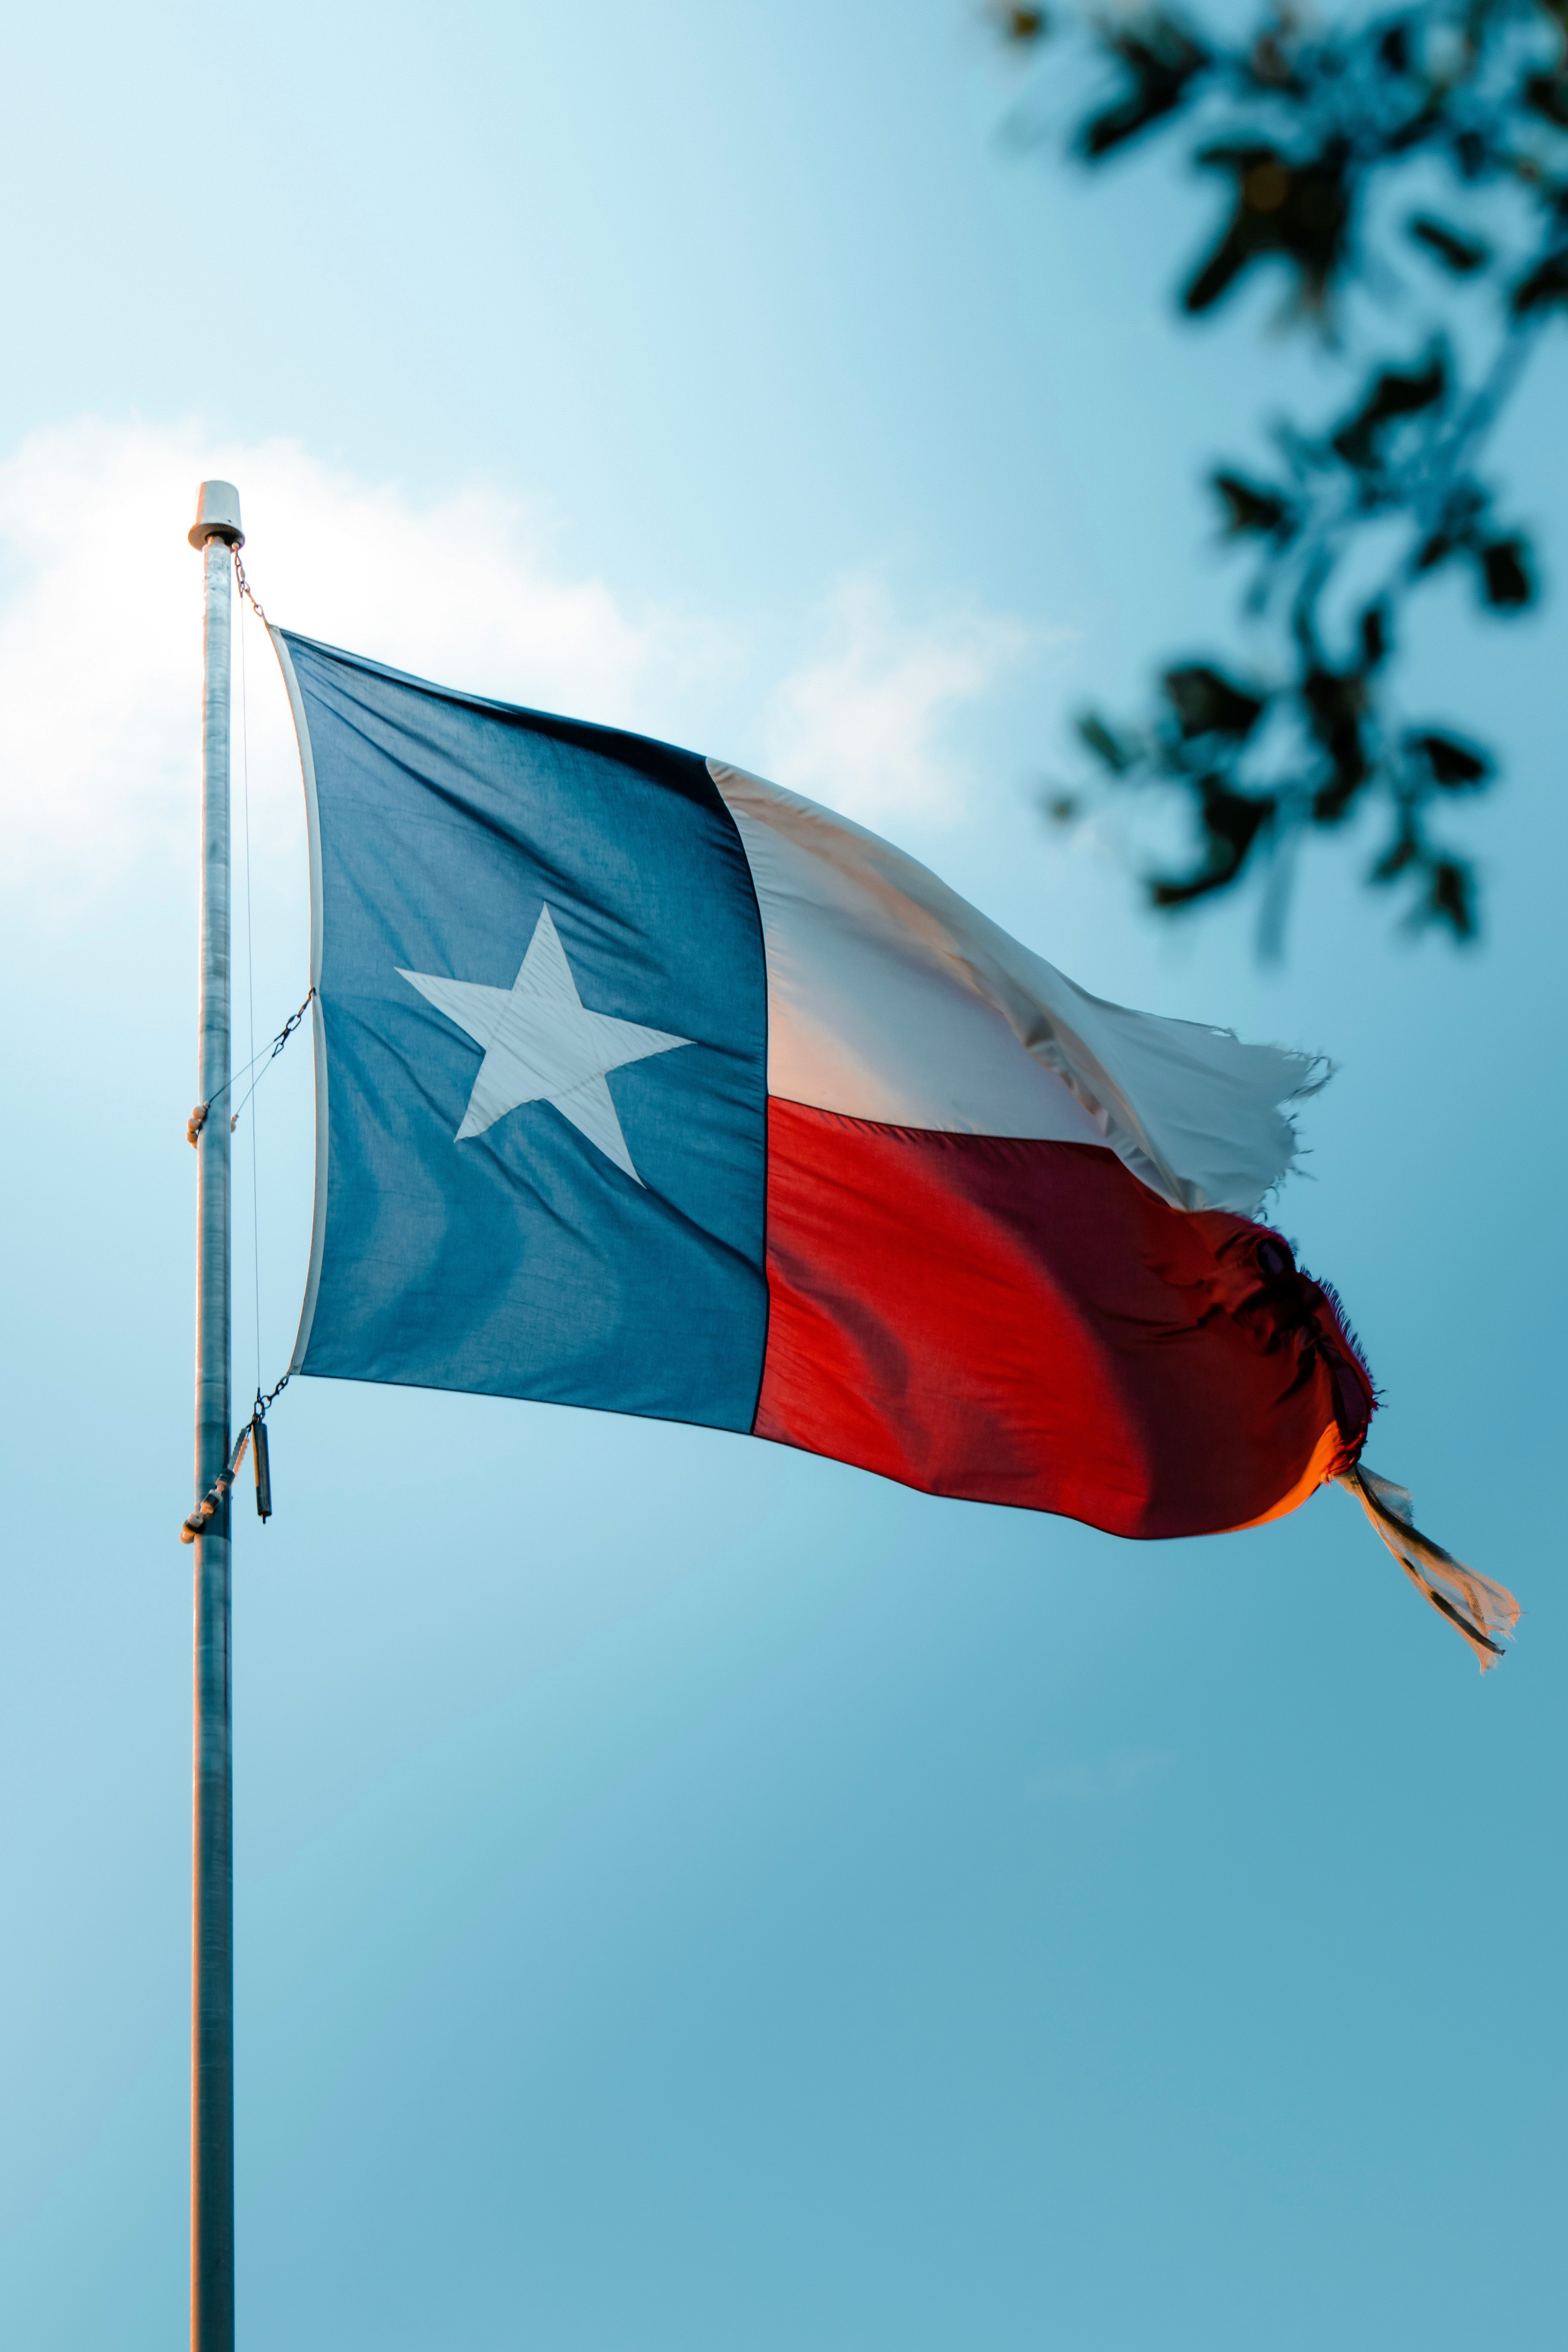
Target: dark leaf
(1374,636)
(1205,703)
(1450,898)
(1335,705)
(1401,853)
(1117,755)
(1507,579)
(1332,803)
(1394,49)
(1396,392)
(1456,767)
(1548,94)
(1232,823)
(1333,700)
(1459,525)
(1299,211)
(1471,154)
(1159,60)
(1249,508)
(1546,284)
(1463,255)
(1418,128)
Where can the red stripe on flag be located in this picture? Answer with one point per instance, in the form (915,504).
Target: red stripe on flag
(1024,1322)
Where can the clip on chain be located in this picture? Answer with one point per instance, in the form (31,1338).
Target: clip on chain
(198,1118)
(253,1434)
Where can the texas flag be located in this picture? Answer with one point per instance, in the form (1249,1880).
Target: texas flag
(647,1086)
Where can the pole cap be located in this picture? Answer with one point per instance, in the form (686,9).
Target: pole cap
(217,515)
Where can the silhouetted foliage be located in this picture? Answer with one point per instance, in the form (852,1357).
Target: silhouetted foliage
(1437,135)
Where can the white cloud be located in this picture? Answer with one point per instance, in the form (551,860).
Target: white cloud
(101,624)
(101,646)
(862,724)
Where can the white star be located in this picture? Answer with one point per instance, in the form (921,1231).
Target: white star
(542,1044)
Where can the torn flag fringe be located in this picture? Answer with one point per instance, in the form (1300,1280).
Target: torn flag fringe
(1484,1612)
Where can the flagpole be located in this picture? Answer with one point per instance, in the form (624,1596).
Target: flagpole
(217,533)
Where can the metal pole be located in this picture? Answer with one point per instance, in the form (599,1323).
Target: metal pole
(217,533)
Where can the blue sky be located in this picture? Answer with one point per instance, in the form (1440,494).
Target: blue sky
(690,1895)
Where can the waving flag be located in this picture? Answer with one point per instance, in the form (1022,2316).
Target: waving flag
(644,1085)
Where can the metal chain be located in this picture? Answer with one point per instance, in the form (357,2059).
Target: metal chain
(277,1044)
(247,590)
(198,1119)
